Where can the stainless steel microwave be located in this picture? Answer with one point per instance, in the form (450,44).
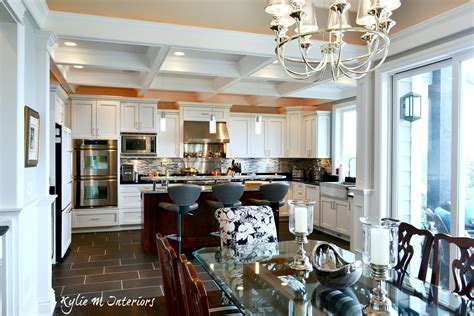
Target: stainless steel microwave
(138,144)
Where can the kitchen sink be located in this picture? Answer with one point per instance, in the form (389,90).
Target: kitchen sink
(338,190)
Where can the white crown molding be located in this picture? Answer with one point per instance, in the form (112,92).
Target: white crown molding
(15,8)
(56,88)
(39,11)
(115,98)
(438,27)
(204,104)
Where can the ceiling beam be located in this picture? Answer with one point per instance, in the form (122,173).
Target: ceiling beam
(157,57)
(59,75)
(100,58)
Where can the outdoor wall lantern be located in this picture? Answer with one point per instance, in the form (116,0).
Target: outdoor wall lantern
(410,107)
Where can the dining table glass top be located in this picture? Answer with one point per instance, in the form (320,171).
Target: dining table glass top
(259,281)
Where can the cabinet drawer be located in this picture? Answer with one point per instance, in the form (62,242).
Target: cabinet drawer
(130,200)
(131,216)
(94,220)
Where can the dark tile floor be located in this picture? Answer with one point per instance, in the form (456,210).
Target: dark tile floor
(112,266)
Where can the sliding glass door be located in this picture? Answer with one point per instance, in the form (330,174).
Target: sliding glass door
(433,151)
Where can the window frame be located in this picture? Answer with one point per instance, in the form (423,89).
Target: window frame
(338,111)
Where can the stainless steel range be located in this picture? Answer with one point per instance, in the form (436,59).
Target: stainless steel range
(95,173)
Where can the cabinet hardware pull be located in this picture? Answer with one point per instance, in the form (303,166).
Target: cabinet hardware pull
(94,219)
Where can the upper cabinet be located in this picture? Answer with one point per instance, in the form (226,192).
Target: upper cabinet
(193,111)
(95,118)
(138,117)
(169,141)
(295,134)
(59,104)
(245,143)
(317,134)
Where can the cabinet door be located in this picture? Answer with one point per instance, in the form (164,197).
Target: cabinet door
(284,209)
(240,132)
(343,217)
(308,137)
(312,194)
(169,140)
(66,231)
(258,148)
(83,118)
(275,138)
(129,117)
(295,146)
(107,119)
(323,136)
(328,214)
(66,168)
(147,115)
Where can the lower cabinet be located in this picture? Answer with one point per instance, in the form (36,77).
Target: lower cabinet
(130,203)
(289,196)
(335,215)
(84,218)
(312,194)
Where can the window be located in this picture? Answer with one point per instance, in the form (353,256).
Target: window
(345,138)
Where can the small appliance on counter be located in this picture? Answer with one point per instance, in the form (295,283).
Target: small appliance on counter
(234,169)
(297,173)
(128,173)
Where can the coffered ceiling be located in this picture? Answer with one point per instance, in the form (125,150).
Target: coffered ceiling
(212,63)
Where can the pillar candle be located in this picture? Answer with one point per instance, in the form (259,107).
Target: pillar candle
(301,220)
(380,246)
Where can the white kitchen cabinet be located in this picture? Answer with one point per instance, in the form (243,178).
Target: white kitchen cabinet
(138,117)
(275,137)
(66,166)
(298,190)
(294,134)
(169,141)
(95,119)
(335,215)
(258,147)
(193,111)
(66,231)
(83,218)
(317,134)
(240,134)
(58,102)
(130,203)
(312,194)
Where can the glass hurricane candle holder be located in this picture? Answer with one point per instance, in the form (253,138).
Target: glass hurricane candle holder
(301,225)
(380,252)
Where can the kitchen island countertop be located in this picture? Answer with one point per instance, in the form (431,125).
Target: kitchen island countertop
(204,178)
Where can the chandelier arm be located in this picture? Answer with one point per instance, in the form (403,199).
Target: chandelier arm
(321,74)
(299,76)
(368,57)
(381,61)
(303,56)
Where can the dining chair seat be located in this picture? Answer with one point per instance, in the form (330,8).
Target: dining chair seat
(195,294)
(246,225)
(406,250)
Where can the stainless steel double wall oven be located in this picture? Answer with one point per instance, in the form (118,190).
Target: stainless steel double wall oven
(95,173)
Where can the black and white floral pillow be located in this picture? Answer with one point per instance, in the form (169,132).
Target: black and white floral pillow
(246,225)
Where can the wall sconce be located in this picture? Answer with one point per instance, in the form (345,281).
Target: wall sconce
(410,109)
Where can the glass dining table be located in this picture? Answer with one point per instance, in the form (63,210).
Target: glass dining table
(259,281)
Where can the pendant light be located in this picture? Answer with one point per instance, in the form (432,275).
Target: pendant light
(163,121)
(212,123)
(258,118)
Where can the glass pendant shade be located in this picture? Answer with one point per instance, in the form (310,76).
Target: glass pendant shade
(283,21)
(212,124)
(333,22)
(309,22)
(363,16)
(278,7)
(163,122)
(391,5)
(258,124)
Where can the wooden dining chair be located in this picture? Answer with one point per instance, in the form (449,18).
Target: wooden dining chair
(462,267)
(406,251)
(171,281)
(195,294)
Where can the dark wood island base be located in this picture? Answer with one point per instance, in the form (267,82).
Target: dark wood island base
(196,227)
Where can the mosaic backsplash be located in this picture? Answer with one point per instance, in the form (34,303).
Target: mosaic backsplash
(249,165)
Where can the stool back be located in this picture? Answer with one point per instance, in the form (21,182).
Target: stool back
(274,192)
(184,194)
(228,193)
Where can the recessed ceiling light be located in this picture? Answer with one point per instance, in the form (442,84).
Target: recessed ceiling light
(70,44)
(178,53)
(78,66)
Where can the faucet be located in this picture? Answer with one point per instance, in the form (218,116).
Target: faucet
(349,166)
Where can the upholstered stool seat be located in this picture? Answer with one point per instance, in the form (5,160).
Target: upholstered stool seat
(184,197)
(246,225)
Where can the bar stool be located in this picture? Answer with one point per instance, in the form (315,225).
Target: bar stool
(273,196)
(184,197)
(227,195)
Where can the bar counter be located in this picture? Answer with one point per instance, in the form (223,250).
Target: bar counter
(196,227)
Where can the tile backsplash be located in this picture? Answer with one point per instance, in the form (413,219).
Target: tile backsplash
(257,165)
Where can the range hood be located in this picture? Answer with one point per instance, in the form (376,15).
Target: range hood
(198,133)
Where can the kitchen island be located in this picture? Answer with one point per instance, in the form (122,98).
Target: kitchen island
(197,227)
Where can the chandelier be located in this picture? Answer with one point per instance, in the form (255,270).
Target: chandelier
(374,24)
